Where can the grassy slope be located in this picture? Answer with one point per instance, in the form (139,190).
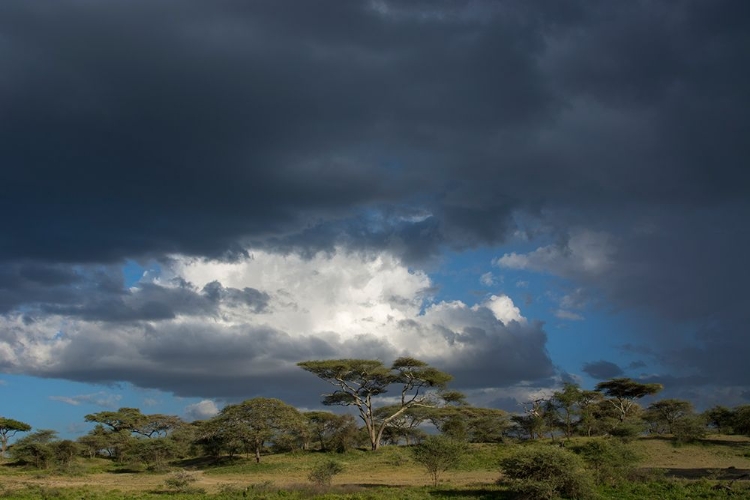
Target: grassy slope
(383,474)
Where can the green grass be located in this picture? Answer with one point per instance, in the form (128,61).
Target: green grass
(296,493)
(662,489)
(389,473)
(674,490)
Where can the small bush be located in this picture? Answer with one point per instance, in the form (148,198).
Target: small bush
(689,429)
(545,472)
(627,431)
(322,474)
(610,460)
(438,454)
(180,481)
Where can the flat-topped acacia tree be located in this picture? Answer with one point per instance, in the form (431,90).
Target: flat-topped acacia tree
(8,427)
(624,391)
(358,381)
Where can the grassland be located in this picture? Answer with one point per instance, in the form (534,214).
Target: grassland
(702,470)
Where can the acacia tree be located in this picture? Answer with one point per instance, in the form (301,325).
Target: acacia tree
(741,419)
(532,422)
(8,429)
(257,421)
(588,405)
(124,419)
(437,454)
(567,403)
(116,432)
(358,381)
(667,412)
(406,425)
(333,432)
(719,417)
(624,391)
(36,448)
(133,421)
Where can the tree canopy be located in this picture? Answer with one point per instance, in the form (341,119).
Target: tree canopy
(624,391)
(255,422)
(359,380)
(8,428)
(667,412)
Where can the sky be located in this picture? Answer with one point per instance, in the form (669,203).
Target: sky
(196,196)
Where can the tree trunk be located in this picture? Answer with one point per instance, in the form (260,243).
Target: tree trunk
(374,435)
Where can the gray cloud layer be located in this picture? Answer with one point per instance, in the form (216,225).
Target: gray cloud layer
(296,125)
(140,129)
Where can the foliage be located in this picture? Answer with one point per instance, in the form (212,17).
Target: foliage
(124,419)
(546,472)
(472,424)
(530,424)
(158,425)
(567,403)
(741,420)
(610,460)
(624,391)
(628,430)
(719,417)
(8,428)
(253,423)
(115,434)
(332,432)
(133,421)
(283,476)
(588,405)
(437,454)
(405,426)
(322,474)
(689,429)
(664,414)
(358,381)
(666,489)
(153,453)
(65,452)
(36,449)
(115,444)
(180,481)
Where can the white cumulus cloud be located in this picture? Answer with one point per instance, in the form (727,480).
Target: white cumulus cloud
(199,337)
(201,410)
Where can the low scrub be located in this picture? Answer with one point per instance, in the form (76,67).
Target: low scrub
(610,460)
(437,454)
(545,473)
(322,474)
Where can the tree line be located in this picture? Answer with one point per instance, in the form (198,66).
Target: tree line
(418,398)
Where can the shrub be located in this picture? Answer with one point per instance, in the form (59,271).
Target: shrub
(628,430)
(36,449)
(689,429)
(741,420)
(609,459)
(322,474)
(438,454)
(546,472)
(180,481)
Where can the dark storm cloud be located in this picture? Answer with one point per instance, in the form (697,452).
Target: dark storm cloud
(635,365)
(139,129)
(255,300)
(483,351)
(683,271)
(215,122)
(602,370)
(96,293)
